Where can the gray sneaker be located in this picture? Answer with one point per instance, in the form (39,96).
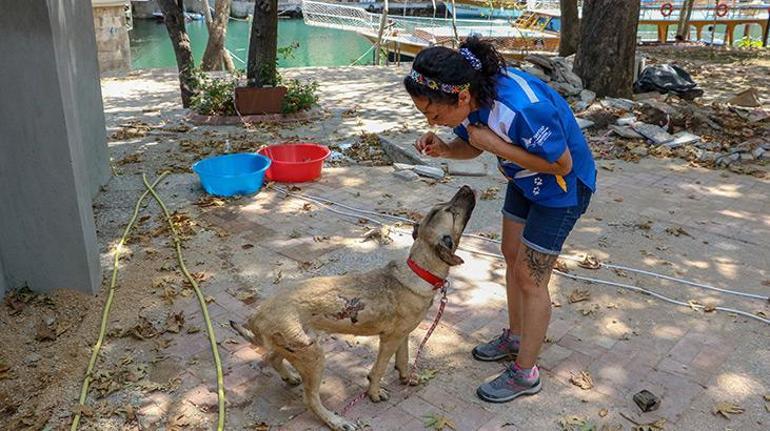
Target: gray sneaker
(501,347)
(508,386)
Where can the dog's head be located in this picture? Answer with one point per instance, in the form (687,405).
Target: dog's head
(444,224)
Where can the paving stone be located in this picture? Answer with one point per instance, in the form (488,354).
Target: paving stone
(552,356)
(406,175)
(654,133)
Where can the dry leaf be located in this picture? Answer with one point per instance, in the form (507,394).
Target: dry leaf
(209,201)
(490,235)
(575,423)
(590,262)
(677,231)
(438,422)
(603,413)
(766,397)
(726,408)
(380,234)
(560,266)
(278,277)
(579,295)
(654,426)
(489,194)
(708,308)
(583,380)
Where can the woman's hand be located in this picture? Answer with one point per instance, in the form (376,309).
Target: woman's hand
(431,145)
(483,138)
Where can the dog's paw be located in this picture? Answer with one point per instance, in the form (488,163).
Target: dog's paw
(341,424)
(378,395)
(293,379)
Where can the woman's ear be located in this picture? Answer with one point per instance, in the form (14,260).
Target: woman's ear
(464,98)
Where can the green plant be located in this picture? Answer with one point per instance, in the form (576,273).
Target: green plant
(213,96)
(749,42)
(299,96)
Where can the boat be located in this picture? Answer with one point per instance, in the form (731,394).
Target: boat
(480,9)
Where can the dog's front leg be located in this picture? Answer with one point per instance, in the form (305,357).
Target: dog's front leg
(388,346)
(402,360)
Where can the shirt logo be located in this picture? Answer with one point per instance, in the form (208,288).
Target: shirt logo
(527,142)
(542,135)
(538,182)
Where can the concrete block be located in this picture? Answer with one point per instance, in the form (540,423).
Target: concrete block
(429,171)
(467,168)
(625,132)
(406,175)
(654,133)
(583,123)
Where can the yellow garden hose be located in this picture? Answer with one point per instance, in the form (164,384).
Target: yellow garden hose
(108,305)
(201,301)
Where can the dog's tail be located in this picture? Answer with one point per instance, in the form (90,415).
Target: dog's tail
(245,333)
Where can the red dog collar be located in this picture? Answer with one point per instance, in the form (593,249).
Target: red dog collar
(423,273)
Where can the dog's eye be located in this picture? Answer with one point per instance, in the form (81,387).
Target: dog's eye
(447,241)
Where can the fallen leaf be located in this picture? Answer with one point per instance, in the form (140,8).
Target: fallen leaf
(174,322)
(677,231)
(709,308)
(380,234)
(654,426)
(278,277)
(583,380)
(438,422)
(618,199)
(426,375)
(307,207)
(247,246)
(560,266)
(210,201)
(590,262)
(490,235)
(83,410)
(320,238)
(295,234)
(44,332)
(579,295)
(261,426)
(726,408)
(5,370)
(575,423)
(766,397)
(489,194)
(603,413)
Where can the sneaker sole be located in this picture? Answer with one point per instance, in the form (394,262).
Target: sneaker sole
(478,357)
(531,391)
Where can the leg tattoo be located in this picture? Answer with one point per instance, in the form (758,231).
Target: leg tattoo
(539,264)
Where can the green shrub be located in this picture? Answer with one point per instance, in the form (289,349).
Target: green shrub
(749,42)
(213,96)
(300,96)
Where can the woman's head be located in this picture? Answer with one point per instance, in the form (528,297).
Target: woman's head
(446,85)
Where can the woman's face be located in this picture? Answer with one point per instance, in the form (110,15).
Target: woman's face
(440,114)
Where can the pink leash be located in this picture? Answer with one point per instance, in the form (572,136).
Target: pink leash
(413,372)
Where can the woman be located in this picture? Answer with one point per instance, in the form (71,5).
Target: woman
(551,173)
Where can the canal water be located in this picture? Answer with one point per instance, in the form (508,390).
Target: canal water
(151,46)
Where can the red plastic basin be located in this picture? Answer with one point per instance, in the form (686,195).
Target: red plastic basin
(295,162)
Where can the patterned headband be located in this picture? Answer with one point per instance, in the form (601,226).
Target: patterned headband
(437,85)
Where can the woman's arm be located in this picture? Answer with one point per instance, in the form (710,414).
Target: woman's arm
(484,139)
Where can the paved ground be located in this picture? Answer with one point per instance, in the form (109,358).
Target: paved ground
(658,215)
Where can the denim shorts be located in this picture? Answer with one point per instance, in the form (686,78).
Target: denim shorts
(545,228)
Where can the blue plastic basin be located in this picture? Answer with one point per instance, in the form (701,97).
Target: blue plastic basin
(232,174)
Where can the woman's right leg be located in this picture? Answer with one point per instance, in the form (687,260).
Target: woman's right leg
(510,248)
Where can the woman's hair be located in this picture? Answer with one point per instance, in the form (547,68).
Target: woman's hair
(448,66)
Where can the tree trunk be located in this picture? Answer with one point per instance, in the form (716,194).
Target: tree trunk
(607,52)
(216,55)
(683,27)
(570,28)
(383,24)
(174,18)
(263,44)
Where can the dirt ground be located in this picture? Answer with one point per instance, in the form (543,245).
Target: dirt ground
(662,214)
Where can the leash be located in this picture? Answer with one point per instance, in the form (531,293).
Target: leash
(412,381)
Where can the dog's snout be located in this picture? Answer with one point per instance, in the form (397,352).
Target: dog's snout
(467,190)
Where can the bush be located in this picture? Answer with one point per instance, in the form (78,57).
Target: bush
(749,42)
(300,96)
(213,96)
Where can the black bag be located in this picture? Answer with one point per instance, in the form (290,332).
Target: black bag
(667,78)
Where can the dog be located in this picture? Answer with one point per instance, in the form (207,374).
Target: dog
(388,302)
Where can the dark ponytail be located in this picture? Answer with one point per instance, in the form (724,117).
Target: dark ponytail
(450,67)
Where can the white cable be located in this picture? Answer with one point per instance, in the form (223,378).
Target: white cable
(630,287)
(318,201)
(566,257)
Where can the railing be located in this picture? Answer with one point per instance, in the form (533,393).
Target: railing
(705,10)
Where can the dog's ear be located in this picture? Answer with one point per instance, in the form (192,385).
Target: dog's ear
(444,251)
(414,230)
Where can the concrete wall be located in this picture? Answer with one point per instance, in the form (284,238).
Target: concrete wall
(52,135)
(112,42)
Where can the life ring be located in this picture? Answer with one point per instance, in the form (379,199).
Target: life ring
(666,9)
(722,9)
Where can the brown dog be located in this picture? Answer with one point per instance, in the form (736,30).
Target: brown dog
(388,302)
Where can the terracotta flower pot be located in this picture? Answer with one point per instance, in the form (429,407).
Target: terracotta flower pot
(259,100)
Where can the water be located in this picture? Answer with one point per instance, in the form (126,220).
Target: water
(151,46)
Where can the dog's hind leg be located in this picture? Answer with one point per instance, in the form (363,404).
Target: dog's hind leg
(402,360)
(309,362)
(388,346)
(275,359)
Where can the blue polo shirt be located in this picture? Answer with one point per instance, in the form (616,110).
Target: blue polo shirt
(530,114)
